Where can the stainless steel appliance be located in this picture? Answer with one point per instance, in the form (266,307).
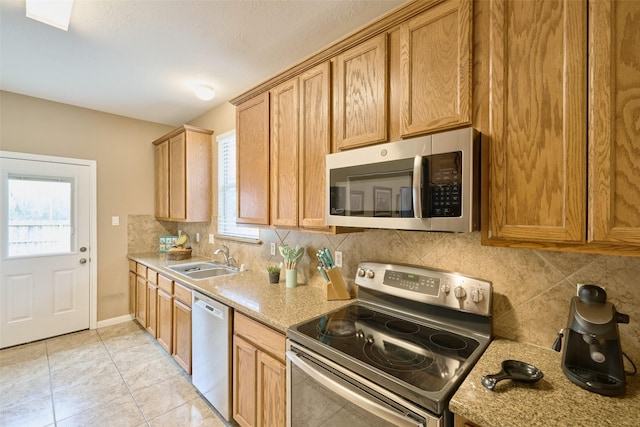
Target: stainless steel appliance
(592,357)
(211,356)
(427,183)
(396,356)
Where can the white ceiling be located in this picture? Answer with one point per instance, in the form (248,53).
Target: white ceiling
(143,58)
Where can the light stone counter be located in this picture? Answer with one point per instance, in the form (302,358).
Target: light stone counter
(552,401)
(251,293)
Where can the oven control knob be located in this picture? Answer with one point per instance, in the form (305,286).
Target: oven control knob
(476,295)
(360,334)
(370,274)
(445,288)
(459,292)
(360,272)
(370,340)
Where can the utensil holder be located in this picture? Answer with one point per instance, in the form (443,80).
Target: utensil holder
(291,278)
(336,289)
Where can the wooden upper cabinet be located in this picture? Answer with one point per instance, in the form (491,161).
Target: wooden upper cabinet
(183,175)
(284,153)
(315,144)
(252,159)
(614,122)
(361,94)
(435,62)
(538,121)
(161,172)
(177,177)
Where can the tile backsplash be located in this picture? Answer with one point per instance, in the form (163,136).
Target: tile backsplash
(531,288)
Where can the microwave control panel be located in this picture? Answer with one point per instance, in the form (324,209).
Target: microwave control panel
(445,185)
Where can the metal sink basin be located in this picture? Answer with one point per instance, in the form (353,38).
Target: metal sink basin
(202,270)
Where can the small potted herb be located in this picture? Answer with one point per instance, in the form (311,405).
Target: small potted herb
(274,273)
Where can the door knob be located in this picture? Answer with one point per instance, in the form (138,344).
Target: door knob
(83,249)
(83,260)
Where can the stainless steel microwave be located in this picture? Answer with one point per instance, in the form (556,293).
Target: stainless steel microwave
(429,183)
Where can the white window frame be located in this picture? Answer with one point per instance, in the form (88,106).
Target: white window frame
(227,193)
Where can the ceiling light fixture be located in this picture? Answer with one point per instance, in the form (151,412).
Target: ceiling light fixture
(205,92)
(56,13)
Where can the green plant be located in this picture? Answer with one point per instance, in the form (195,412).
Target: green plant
(273,269)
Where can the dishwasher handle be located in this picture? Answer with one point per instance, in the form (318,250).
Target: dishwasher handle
(214,311)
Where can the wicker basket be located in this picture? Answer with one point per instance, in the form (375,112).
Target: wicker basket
(179,254)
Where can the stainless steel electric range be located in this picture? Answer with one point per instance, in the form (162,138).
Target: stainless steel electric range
(396,356)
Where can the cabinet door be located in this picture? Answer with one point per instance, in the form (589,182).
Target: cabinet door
(141,301)
(284,154)
(177,177)
(152,305)
(538,121)
(164,333)
(271,391)
(361,94)
(315,144)
(161,174)
(132,293)
(435,59)
(252,153)
(614,118)
(182,335)
(244,382)
(197,186)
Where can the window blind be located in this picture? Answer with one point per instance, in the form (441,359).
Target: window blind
(227,192)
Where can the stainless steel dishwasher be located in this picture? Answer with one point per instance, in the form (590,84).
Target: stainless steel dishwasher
(211,357)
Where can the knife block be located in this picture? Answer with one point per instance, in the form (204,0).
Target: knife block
(336,288)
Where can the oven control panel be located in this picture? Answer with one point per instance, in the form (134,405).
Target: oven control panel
(428,285)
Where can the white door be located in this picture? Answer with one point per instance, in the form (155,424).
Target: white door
(45,221)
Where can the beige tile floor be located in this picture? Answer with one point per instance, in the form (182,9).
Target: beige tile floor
(113,376)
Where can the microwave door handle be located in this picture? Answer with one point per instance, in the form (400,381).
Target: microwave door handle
(417,193)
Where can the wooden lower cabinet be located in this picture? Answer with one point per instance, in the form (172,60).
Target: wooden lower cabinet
(152,309)
(182,328)
(459,421)
(163,308)
(271,391)
(164,332)
(132,293)
(141,301)
(259,374)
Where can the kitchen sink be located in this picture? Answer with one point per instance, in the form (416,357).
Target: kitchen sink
(202,270)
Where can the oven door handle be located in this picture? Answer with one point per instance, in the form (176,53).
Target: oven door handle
(350,395)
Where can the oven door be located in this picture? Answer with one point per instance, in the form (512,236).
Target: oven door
(320,391)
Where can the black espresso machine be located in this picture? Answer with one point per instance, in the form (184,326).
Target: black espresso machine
(592,357)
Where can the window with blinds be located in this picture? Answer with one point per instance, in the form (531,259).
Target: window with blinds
(227,193)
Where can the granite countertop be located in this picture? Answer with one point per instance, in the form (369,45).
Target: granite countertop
(552,401)
(250,292)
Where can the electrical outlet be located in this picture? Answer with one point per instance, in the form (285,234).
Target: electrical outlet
(197,237)
(273,249)
(212,239)
(338,260)
(115,220)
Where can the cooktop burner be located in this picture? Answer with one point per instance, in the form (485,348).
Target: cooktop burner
(417,354)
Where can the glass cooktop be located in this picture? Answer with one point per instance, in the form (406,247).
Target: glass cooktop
(424,357)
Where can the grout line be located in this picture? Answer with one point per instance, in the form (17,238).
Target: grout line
(123,380)
(53,405)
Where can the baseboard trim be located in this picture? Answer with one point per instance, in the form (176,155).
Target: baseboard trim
(114,321)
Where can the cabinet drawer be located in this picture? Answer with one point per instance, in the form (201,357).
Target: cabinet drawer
(165,284)
(261,336)
(141,270)
(132,266)
(152,276)
(182,293)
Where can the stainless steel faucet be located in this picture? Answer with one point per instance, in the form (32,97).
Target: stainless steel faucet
(225,253)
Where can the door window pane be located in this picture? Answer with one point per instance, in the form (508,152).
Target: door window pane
(39,216)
